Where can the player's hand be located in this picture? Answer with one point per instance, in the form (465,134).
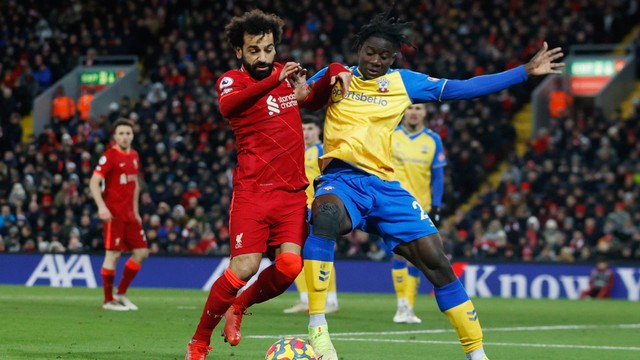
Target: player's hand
(298,81)
(344,78)
(298,78)
(288,70)
(543,62)
(104,214)
(139,218)
(434,214)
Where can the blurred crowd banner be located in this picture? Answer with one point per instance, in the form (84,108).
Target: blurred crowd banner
(480,279)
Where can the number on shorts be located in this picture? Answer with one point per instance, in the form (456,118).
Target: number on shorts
(423,214)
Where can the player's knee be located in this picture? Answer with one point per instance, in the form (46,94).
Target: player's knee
(326,220)
(245,266)
(140,255)
(437,261)
(289,264)
(111,258)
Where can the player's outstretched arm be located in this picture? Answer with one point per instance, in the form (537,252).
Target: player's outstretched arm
(425,88)
(543,63)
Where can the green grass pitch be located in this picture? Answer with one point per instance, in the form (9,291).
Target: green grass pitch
(57,323)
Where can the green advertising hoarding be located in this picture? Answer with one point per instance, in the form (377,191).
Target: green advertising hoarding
(589,76)
(100,77)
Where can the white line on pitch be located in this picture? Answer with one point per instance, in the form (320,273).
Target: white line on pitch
(559,346)
(519,328)
(338,336)
(89,297)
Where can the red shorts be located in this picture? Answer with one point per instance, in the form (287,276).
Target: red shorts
(261,222)
(123,235)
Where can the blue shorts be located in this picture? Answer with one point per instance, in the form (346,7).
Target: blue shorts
(374,205)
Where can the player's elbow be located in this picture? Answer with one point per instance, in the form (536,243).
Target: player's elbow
(227,110)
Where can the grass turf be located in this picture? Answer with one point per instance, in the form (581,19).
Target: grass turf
(67,323)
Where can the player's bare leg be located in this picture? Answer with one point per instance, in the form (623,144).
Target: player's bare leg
(427,254)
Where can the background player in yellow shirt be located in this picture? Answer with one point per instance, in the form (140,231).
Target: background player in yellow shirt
(311,129)
(419,161)
(357,187)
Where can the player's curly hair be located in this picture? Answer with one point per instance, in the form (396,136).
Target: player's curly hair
(254,22)
(387,27)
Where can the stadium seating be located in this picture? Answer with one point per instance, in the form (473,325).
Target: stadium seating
(187,149)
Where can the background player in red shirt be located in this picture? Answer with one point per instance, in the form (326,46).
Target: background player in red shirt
(269,207)
(118,209)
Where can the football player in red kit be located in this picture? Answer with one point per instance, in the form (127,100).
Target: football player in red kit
(268,211)
(118,209)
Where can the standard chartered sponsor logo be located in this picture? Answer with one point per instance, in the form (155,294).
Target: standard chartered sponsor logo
(288,101)
(282,102)
(272,105)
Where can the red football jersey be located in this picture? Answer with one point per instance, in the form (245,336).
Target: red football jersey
(120,172)
(268,132)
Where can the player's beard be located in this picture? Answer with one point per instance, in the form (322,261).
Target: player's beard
(252,69)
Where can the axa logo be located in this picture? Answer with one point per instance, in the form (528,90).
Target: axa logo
(61,271)
(272,105)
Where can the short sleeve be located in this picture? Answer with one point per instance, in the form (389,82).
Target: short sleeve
(105,164)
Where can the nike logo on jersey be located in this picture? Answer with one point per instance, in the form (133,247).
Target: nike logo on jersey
(122,164)
(272,105)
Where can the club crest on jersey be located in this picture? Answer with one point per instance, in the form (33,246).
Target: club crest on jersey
(383,85)
(239,240)
(425,149)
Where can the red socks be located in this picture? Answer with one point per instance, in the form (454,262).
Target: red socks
(131,269)
(221,296)
(273,280)
(107,283)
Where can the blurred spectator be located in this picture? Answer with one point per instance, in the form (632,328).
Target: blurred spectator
(64,108)
(560,101)
(42,73)
(84,103)
(182,139)
(600,282)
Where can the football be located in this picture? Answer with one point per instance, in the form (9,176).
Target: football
(290,349)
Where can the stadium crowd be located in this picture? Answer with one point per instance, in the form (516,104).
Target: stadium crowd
(571,176)
(571,197)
